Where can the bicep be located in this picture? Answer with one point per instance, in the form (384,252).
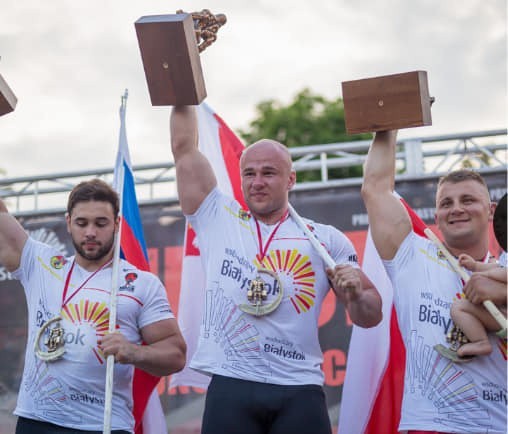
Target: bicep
(161,330)
(195,180)
(389,223)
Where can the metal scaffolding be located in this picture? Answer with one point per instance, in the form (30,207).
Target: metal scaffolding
(422,157)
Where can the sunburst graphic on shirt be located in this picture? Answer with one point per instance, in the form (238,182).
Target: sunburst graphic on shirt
(95,314)
(298,268)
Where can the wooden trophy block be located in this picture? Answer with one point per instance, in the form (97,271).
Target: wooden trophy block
(389,102)
(7,98)
(171,59)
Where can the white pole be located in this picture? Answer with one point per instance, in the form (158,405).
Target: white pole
(110,361)
(491,307)
(330,263)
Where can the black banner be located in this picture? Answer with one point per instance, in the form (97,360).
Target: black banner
(341,207)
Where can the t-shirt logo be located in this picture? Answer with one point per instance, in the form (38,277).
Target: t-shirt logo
(296,270)
(244,215)
(129,279)
(441,255)
(57,262)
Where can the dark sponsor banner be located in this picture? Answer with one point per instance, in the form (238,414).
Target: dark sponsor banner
(341,207)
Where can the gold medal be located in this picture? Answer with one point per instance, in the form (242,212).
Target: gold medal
(257,295)
(54,342)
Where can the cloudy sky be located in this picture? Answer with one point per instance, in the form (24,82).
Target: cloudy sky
(69,62)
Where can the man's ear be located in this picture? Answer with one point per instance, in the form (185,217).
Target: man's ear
(117,223)
(493,206)
(292,180)
(68,221)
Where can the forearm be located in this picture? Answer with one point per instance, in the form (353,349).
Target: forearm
(163,354)
(194,174)
(389,222)
(358,294)
(12,239)
(480,288)
(184,130)
(379,168)
(160,358)
(365,310)
(497,273)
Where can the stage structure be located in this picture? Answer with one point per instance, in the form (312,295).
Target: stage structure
(37,201)
(418,158)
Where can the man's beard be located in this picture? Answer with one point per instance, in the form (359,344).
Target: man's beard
(103,250)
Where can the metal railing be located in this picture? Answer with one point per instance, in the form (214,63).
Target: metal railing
(155,183)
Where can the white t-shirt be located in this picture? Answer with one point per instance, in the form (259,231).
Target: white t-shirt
(281,347)
(70,391)
(440,395)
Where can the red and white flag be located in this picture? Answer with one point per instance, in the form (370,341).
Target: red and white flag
(374,380)
(223,149)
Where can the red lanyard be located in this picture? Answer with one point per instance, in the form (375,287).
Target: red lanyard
(262,250)
(68,279)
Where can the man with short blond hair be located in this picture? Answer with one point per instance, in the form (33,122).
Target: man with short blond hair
(440,396)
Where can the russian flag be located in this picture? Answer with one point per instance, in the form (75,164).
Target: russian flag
(133,249)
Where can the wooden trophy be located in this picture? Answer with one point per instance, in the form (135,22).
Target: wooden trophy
(7,98)
(170,53)
(389,102)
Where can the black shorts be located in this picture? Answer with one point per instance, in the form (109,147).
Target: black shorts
(239,406)
(32,426)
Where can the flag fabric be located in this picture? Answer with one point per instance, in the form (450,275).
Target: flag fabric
(374,382)
(148,414)
(223,150)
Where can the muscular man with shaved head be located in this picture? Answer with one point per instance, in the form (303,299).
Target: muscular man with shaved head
(263,353)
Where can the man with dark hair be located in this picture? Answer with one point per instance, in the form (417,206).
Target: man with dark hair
(439,395)
(96,190)
(264,290)
(63,385)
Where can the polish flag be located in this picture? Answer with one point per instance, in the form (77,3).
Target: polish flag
(223,149)
(374,380)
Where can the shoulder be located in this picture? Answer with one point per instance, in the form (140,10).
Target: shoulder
(34,247)
(415,248)
(214,202)
(126,268)
(327,231)
(37,255)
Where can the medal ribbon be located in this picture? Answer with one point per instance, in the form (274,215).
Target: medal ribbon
(68,279)
(263,250)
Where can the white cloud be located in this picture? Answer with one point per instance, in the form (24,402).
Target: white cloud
(69,63)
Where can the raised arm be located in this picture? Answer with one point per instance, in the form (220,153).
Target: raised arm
(194,174)
(388,219)
(12,239)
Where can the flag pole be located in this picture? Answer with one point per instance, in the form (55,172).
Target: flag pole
(110,361)
(330,263)
(488,304)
